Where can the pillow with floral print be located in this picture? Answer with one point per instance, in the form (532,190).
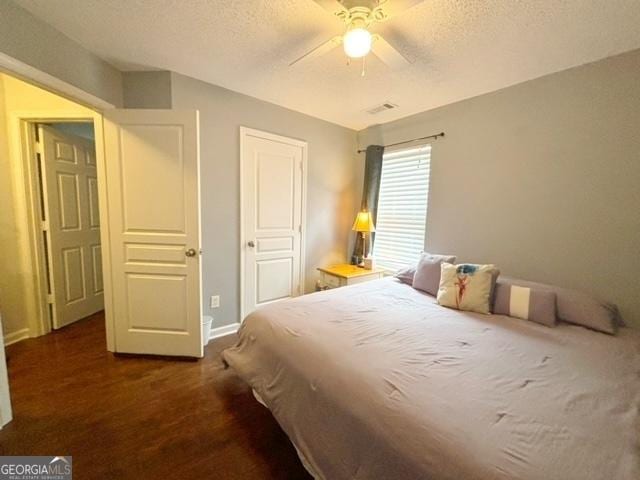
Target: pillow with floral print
(467,286)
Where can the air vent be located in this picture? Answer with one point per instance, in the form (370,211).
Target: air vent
(381,108)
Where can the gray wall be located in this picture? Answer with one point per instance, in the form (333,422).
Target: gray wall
(542,178)
(333,184)
(32,41)
(147,89)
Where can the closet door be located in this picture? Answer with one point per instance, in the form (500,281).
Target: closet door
(272,171)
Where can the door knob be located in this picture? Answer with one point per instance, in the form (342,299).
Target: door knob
(251,243)
(190,253)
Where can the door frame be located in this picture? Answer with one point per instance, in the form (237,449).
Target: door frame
(250,132)
(21,127)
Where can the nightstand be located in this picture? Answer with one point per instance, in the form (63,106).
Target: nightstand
(345,274)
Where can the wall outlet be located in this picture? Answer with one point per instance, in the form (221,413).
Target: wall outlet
(215,301)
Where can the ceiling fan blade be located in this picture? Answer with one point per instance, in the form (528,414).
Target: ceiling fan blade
(389,55)
(320,50)
(334,7)
(393,7)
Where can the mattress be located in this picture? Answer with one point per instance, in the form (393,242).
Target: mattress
(378,381)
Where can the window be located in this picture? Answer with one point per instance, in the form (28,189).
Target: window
(402,207)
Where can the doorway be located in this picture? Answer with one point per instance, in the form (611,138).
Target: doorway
(49,159)
(144,231)
(51,166)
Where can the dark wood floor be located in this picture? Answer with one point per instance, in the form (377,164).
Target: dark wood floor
(139,417)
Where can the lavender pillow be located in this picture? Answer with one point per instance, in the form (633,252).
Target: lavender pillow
(427,276)
(406,275)
(526,303)
(577,307)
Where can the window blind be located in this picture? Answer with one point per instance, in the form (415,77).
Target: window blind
(402,207)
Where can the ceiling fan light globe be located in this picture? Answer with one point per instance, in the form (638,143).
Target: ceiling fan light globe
(357,42)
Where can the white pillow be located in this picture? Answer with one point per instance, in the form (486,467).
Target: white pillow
(467,286)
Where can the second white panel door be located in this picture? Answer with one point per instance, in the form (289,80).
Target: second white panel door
(272,207)
(70,191)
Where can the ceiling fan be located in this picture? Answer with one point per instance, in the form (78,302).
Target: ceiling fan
(359,16)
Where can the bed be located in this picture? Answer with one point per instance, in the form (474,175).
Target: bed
(377,381)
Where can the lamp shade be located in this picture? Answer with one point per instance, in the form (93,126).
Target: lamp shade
(364,222)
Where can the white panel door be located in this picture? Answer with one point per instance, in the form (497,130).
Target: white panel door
(272,210)
(72,225)
(152,169)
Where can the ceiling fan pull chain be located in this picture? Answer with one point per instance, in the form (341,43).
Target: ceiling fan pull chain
(363,65)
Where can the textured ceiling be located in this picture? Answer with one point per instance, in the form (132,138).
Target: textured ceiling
(458,48)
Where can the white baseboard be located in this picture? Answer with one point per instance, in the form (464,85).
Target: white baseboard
(15,337)
(225,330)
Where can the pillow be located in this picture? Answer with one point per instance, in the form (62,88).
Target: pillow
(581,309)
(526,303)
(578,307)
(405,275)
(427,272)
(467,286)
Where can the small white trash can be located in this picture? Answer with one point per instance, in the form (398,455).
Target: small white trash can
(207,320)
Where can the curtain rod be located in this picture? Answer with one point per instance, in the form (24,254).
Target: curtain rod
(436,136)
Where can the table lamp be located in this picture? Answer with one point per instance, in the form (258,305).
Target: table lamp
(364,225)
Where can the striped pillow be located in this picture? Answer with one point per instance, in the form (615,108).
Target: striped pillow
(527,303)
